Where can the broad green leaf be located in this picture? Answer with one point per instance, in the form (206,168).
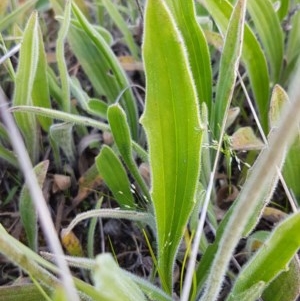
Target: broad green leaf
(286,285)
(97,107)
(103,66)
(196,46)
(172,124)
(271,259)
(113,282)
(24,82)
(270,33)
(15,14)
(122,25)
(115,177)
(228,68)
(40,90)
(121,132)
(27,210)
(252,56)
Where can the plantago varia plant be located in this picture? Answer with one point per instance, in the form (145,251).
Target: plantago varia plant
(192,53)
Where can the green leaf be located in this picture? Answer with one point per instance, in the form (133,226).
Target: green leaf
(87,45)
(40,90)
(286,285)
(121,132)
(283,8)
(24,81)
(62,135)
(272,258)
(172,124)
(60,56)
(22,292)
(113,282)
(122,25)
(228,68)
(270,33)
(196,46)
(293,45)
(28,213)
(252,56)
(115,177)
(16,14)
(291,168)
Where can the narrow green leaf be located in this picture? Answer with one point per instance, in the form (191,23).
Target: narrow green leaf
(15,14)
(8,156)
(122,25)
(252,56)
(115,177)
(272,258)
(56,114)
(172,123)
(196,46)
(291,169)
(121,132)
(60,56)
(228,67)
(27,210)
(40,90)
(111,71)
(24,81)
(293,46)
(270,33)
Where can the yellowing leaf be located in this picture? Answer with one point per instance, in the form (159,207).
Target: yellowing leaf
(71,243)
(245,139)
